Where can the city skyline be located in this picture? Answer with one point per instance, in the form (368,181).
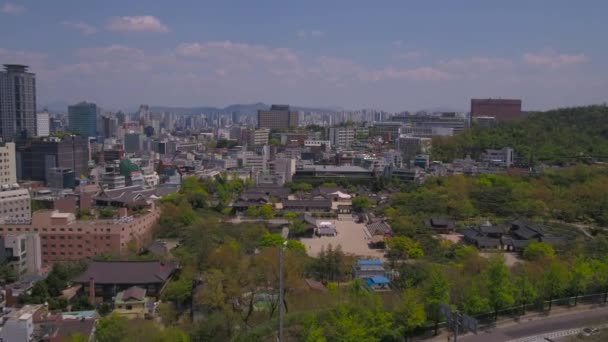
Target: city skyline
(395,57)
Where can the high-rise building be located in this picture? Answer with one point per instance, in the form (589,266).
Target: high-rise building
(17,102)
(83,119)
(500,109)
(278,117)
(39,156)
(43,124)
(8,164)
(133,142)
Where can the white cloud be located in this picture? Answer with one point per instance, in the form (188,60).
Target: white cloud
(310,34)
(476,64)
(80,26)
(553,60)
(10,8)
(144,23)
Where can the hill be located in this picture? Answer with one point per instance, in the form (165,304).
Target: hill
(557,137)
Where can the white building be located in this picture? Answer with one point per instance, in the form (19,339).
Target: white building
(8,168)
(15,202)
(342,136)
(259,137)
(24,253)
(43,124)
(503,157)
(19,324)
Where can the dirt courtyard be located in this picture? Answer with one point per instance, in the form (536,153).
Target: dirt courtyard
(352,237)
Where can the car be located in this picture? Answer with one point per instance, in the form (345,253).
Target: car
(590,331)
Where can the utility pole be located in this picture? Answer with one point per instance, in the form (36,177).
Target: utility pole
(281,250)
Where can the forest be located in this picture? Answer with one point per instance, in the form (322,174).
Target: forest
(563,136)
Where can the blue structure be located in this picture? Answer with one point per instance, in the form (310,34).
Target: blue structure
(365,269)
(378,283)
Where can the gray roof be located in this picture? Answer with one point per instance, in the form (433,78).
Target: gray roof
(307,203)
(126,272)
(379,228)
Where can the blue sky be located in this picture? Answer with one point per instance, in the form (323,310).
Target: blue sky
(392,55)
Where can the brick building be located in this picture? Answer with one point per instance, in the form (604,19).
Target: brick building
(66,239)
(500,109)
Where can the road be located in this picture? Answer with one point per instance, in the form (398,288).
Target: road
(522,331)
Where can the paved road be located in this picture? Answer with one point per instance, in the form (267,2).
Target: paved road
(533,330)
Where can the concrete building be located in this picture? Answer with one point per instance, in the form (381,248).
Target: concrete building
(63,238)
(389,131)
(8,167)
(438,124)
(258,137)
(342,136)
(411,146)
(503,157)
(17,102)
(284,167)
(61,178)
(15,202)
(18,325)
(133,142)
(278,117)
(500,109)
(83,119)
(39,156)
(24,253)
(43,124)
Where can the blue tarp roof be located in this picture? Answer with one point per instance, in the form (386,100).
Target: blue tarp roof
(370,262)
(377,280)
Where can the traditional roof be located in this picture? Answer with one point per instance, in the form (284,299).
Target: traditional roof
(307,204)
(326,231)
(379,228)
(126,272)
(441,223)
(484,242)
(485,229)
(133,293)
(267,190)
(526,233)
(131,195)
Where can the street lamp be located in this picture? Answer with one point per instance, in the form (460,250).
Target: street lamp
(281,250)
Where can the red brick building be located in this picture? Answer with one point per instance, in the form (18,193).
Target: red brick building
(500,109)
(63,238)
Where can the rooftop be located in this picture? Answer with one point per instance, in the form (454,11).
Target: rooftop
(126,272)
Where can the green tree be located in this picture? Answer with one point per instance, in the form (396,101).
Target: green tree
(361,203)
(556,278)
(266,212)
(402,247)
(410,313)
(538,250)
(581,277)
(111,328)
(436,292)
(498,283)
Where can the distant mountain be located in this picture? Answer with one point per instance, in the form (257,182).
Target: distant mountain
(243,109)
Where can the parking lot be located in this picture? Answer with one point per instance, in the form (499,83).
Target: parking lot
(351,237)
